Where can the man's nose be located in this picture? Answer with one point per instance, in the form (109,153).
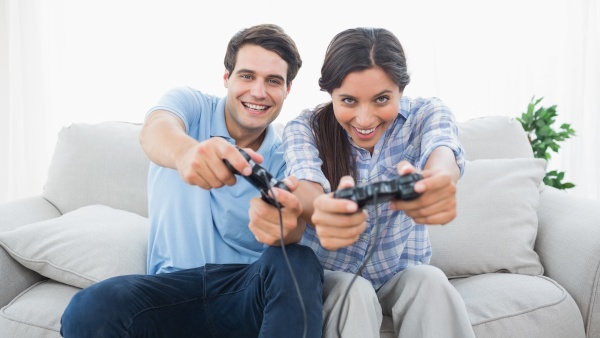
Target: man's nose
(258,89)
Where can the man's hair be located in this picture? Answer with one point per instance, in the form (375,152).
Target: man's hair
(270,37)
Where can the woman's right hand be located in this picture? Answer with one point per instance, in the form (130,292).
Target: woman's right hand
(338,222)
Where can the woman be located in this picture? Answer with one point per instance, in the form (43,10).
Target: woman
(368,133)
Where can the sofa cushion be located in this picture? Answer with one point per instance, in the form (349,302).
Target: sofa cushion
(513,305)
(494,137)
(496,223)
(99,163)
(82,247)
(36,312)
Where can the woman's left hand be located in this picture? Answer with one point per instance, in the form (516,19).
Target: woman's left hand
(437,203)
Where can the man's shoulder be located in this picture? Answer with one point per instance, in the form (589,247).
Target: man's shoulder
(189,92)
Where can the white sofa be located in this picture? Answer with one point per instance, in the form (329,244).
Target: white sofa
(525,257)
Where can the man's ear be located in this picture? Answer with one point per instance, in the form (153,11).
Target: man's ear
(289,87)
(226,78)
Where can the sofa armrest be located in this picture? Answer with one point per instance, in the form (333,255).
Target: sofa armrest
(568,244)
(15,278)
(25,211)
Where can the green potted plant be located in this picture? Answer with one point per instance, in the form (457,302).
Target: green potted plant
(537,123)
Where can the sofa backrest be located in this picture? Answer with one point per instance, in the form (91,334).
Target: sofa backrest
(98,164)
(104,163)
(494,137)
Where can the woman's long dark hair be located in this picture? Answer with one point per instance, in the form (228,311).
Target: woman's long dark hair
(352,50)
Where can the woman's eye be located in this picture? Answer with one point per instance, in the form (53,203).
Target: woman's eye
(382,99)
(348,100)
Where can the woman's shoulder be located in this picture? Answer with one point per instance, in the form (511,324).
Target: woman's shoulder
(423,106)
(299,123)
(420,102)
(304,117)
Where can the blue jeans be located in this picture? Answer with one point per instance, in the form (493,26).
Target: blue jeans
(229,300)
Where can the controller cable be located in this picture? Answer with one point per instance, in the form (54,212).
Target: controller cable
(287,261)
(364,262)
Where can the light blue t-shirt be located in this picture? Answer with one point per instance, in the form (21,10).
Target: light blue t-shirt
(191,226)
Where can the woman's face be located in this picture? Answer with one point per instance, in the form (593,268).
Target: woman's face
(365,105)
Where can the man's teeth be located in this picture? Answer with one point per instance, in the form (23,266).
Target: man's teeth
(255,107)
(366,131)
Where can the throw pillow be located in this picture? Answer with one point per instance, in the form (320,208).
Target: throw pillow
(496,223)
(82,247)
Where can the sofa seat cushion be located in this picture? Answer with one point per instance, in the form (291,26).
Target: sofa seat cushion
(82,247)
(36,311)
(516,306)
(513,305)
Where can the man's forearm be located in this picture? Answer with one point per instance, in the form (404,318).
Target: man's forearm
(163,138)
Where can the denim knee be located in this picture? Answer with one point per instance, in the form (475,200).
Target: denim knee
(301,258)
(93,311)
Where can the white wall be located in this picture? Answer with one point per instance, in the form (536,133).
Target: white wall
(112,59)
(4,130)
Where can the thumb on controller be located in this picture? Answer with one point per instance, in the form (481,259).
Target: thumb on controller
(404,167)
(346,182)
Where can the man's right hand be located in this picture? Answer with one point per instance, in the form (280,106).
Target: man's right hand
(202,164)
(338,222)
(166,143)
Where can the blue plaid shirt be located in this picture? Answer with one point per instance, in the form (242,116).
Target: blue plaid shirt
(422,125)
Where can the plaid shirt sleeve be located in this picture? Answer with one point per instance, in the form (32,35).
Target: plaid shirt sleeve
(300,151)
(438,128)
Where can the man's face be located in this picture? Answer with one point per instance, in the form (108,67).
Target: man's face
(256,90)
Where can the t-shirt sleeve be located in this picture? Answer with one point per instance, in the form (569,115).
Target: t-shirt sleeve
(181,101)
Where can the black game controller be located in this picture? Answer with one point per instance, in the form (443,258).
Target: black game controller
(399,188)
(260,178)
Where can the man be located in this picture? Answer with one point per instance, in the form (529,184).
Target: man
(215,264)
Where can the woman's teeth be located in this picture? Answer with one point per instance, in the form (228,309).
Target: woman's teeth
(366,131)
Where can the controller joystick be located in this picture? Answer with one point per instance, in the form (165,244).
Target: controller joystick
(259,178)
(398,188)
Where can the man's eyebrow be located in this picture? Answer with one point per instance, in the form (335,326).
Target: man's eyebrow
(243,70)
